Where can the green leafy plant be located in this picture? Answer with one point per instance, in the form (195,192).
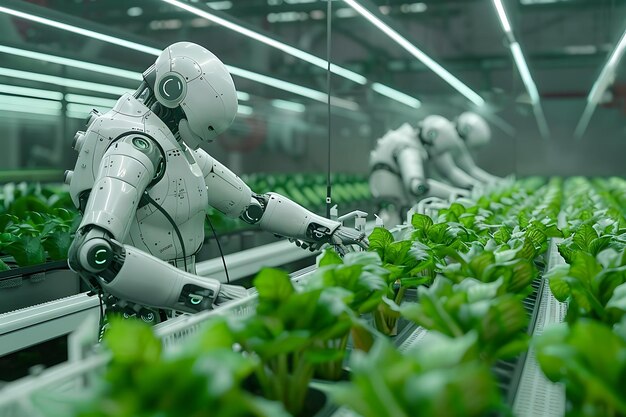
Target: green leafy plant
(497,317)
(442,379)
(365,279)
(291,334)
(590,360)
(409,263)
(205,378)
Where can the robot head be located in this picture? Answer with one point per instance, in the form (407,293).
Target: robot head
(438,135)
(473,129)
(194,83)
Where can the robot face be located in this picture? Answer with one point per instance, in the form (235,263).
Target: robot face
(189,76)
(473,129)
(438,134)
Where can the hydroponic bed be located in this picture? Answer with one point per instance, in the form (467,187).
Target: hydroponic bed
(492,279)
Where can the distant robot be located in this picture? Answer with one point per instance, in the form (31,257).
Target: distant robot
(406,161)
(143,186)
(475,133)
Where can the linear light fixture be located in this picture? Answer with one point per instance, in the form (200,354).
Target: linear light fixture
(131,75)
(288,49)
(289,105)
(30,92)
(524,71)
(10,107)
(31,102)
(250,75)
(604,81)
(504,20)
(419,54)
(293,88)
(244,110)
(85,108)
(241,96)
(103,69)
(90,100)
(63,82)
(396,95)
(81,31)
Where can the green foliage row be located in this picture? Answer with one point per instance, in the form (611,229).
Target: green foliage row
(37,221)
(472,264)
(588,352)
(298,333)
(36,224)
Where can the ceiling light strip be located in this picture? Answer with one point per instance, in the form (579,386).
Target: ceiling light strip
(64,82)
(81,31)
(90,100)
(10,107)
(31,102)
(524,71)
(103,69)
(30,92)
(396,95)
(417,53)
(253,76)
(504,20)
(604,81)
(289,105)
(288,49)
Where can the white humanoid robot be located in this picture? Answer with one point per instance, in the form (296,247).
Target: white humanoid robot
(143,185)
(475,133)
(403,162)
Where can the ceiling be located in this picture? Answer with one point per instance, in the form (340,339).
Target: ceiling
(566,42)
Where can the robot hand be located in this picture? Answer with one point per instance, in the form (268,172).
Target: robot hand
(345,236)
(418,188)
(341,238)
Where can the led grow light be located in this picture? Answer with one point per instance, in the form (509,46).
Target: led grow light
(396,95)
(417,53)
(288,49)
(253,76)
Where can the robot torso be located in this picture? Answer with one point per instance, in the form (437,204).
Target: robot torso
(178,187)
(385,178)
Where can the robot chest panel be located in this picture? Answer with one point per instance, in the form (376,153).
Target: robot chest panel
(181,193)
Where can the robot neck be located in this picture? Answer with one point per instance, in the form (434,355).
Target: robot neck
(170,117)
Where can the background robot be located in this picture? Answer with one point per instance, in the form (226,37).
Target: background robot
(143,185)
(475,133)
(404,162)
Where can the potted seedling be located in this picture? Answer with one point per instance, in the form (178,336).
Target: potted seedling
(497,318)
(290,335)
(363,279)
(203,378)
(590,360)
(410,264)
(442,378)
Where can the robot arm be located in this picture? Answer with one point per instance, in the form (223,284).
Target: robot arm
(273,212)
(457,177)
(444,191)
(123,271)
(411,164)
(467,164)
